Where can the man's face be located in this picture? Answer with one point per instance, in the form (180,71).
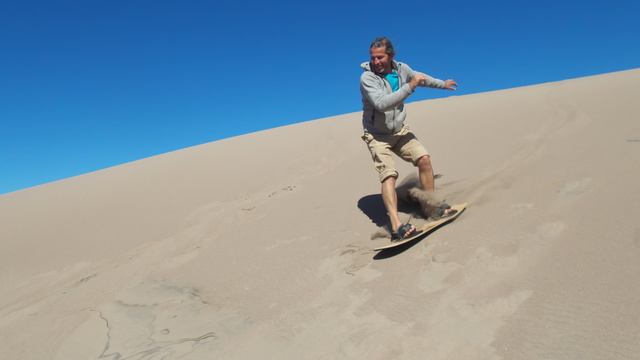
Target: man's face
(381,60)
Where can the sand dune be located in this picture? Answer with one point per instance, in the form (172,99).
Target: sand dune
(259,246)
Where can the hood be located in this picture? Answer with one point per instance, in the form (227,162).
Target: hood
(366,66)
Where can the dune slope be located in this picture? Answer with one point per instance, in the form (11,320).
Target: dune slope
(258,247)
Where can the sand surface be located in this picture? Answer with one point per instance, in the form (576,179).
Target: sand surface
(259,246)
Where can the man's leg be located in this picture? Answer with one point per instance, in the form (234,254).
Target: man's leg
(382,157)
(425,173)
(390,199)
(409,148)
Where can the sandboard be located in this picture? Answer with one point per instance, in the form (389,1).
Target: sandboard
(422,231)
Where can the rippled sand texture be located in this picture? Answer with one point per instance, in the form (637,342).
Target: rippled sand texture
(259,246)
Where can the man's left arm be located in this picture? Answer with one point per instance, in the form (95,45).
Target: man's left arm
(424,80)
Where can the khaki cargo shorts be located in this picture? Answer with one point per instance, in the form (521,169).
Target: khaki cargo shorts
(404,144)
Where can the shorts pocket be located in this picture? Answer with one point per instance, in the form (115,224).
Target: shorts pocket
(367,138)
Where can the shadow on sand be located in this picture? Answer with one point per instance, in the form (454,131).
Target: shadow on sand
(373,207)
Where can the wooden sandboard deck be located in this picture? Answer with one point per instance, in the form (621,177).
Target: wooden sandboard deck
(424,230)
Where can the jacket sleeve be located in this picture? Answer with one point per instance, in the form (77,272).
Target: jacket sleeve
(372,89)
(431,81)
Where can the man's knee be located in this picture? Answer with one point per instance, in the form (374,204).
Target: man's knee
(390,179)
(387,173)
(424,162)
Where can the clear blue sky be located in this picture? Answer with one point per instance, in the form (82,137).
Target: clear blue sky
(88,85)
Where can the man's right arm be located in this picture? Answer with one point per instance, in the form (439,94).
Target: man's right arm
(372,89)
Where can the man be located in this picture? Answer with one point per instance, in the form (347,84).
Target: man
(385,85)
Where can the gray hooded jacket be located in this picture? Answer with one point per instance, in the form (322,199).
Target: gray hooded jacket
(383,109)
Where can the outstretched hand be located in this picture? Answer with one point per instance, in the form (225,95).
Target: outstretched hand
(450,84)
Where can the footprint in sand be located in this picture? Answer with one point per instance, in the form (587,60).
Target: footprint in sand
(284,189)
(519,209)
(351,259)
(85,279)
(486,309)
(574,188)
(437,271)
(548,232)
(358,257)
(252,202)
(485,265)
